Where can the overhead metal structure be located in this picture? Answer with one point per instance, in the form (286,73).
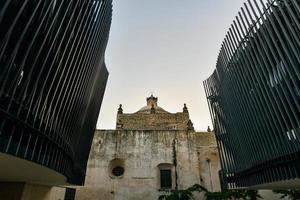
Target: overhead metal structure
(52,80)
(254,95)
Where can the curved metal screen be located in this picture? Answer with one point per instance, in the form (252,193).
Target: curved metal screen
(254,95)
(52,80)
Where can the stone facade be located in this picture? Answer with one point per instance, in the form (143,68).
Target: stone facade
(153,117)
(157,121)
(143,145)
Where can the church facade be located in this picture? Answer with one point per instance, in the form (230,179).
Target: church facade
(150,153)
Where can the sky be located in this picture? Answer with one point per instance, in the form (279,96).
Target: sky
(164,47)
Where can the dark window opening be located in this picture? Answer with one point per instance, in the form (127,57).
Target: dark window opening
(70,194)
(118,171)
(165,178)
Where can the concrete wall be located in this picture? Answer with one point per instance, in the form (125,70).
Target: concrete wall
(24,191)
(142,152)
(40,192)
(11,191)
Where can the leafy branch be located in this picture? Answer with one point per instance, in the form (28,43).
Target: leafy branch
(293,194)
(187,194)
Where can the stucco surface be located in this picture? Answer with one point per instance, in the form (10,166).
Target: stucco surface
(146,142)
(142,152)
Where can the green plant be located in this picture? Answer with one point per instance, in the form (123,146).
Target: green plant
(293,194)
(218,195)
(233,194)
(252,194)
(187,194)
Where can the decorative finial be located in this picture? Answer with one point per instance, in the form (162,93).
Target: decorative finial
(190,126)
(152,101)
(152,111)
(120,109)
(208,129)
(185,110)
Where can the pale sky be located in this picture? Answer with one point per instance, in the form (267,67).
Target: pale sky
(167,47)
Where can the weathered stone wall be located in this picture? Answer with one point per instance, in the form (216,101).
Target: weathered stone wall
(142,152)
(157,121)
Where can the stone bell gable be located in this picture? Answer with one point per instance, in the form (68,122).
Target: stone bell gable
(153,117)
